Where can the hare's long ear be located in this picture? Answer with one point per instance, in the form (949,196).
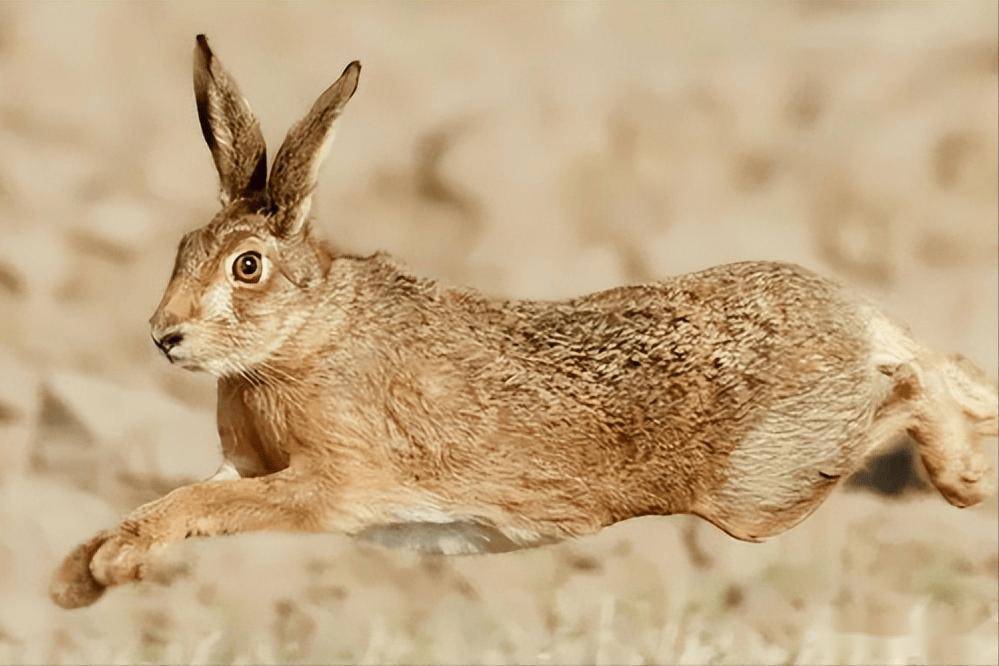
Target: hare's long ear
(296,167)
(230,128)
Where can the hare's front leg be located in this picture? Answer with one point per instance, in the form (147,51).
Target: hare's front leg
(289,500)
(285,501)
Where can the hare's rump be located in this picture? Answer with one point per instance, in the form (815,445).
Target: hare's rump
(787,467)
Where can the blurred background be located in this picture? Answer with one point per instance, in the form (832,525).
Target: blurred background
(528,150)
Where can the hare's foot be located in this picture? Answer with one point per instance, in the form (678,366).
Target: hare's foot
(963,478)
(73,585)
(950,445)
(123,557)
(281,501)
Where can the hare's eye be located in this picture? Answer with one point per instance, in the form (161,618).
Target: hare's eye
(247,267)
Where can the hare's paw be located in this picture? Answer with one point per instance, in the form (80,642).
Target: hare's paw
(121,558)
(966,484)
(73,586)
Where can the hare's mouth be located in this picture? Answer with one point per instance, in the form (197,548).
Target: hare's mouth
(181,347)
(183,360)
(177,354)
(188,359)
(189,364)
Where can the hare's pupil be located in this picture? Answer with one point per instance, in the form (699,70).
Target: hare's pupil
(249,264)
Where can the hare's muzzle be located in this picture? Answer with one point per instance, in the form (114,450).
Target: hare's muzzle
(174,309)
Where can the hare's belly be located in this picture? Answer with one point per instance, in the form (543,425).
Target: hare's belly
(453,538)
(432,530)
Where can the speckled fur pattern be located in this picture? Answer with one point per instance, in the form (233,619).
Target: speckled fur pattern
(356,397)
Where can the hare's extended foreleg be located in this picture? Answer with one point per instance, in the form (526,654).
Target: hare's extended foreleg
(288,500)
(283,501)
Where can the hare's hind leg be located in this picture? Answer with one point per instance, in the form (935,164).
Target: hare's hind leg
(787,466)
(953,408)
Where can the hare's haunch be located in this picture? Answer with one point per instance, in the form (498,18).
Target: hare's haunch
(358,398)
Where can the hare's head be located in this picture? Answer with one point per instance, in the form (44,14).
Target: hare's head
(246,281)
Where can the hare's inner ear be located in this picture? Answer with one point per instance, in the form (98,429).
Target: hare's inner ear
(296,167)
(231,131)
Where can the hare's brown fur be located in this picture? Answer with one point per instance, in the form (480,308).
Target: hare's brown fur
(358,398)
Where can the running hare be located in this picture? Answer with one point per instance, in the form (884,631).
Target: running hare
(355,397)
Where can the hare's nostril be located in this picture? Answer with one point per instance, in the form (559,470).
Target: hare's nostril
(172,340)
(168,341)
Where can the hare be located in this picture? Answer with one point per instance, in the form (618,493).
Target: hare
(355,397)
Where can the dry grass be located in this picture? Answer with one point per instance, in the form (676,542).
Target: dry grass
(536,151)
(863,581)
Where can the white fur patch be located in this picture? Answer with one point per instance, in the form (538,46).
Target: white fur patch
(889,345)
(226,472)
(429,529)
(217,302)
(455,538)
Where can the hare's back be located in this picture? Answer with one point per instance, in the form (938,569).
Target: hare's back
(697,365)
(704,355)
(752,315)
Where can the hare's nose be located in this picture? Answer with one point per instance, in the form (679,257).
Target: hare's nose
(168,341)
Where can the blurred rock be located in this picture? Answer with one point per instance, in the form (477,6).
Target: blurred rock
(169,176)
(154,436)
(43,519)
(41,176)
(19,404)
(58,516)
(34,260)
(119,226)
(74,335)
(63,448)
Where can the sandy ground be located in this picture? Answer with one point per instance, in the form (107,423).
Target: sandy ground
(531,151)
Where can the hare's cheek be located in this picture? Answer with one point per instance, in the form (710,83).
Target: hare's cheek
(216,304)
(249,307)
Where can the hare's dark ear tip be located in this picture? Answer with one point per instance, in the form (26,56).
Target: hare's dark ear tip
(353,69)
(351,75)
(201,47)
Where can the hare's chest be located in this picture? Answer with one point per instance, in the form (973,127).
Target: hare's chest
(253,432)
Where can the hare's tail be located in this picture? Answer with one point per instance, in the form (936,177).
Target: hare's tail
(949,406)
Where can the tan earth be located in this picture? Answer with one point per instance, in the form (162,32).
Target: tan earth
(527,150)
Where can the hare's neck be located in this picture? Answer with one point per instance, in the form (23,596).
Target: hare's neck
(369,309)
(311,337)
